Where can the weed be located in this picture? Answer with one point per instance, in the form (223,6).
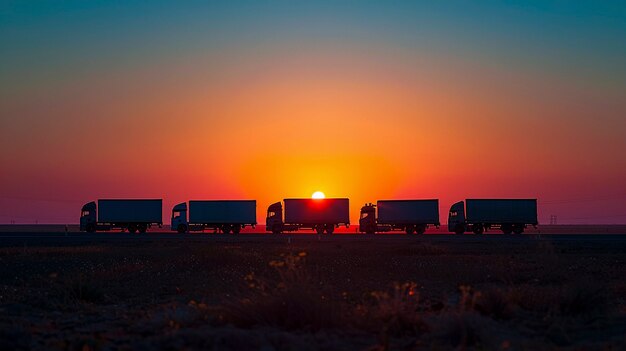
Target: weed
(84,290)
(292,300)
(496,303)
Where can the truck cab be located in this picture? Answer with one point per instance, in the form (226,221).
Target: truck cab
(88,217)
(367,219)
(179,218)
(456,218)
(274,219)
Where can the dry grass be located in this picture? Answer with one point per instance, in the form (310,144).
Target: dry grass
(322,296)
(292,299)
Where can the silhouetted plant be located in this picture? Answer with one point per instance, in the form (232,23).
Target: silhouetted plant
(85,290)
(389,314)
(583,300)
(293,300)
(496,303)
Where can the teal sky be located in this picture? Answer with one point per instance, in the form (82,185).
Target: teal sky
(579,38)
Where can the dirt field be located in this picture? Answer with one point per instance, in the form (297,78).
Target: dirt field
(299,293)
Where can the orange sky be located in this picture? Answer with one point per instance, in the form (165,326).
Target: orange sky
(366,120)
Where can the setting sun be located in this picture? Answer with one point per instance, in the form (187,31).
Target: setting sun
(318,195)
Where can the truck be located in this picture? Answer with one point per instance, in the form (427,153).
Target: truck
(321,215)
(478,215)
(410,216)
(219,215)
(125,214)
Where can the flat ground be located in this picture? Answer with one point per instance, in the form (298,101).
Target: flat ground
(304,292)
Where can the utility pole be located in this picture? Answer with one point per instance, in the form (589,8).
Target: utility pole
(553,220)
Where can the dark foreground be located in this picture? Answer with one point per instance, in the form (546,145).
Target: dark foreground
(163,291)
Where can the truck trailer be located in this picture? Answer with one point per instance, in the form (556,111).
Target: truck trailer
(410,216)
(321,215)
(125,214)
(478,215)
(219,215)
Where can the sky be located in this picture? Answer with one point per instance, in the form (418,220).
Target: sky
(269,100)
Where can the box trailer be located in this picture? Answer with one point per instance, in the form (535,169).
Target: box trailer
(321,215)
(478,215)
(125,214)
(218,215)
(410,216)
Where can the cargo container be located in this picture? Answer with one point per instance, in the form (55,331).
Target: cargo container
(410,216)
(218,215)
(478,215)
(321,215)
(125,214)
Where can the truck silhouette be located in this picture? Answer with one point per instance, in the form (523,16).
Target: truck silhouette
(223,215)
(321,215)
(478,215)
(125,214)
(410,216)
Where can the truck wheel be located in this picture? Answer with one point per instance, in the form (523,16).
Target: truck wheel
(132,228)
(91,228)
(518,229)
(226,229)
(459,229)
(507,229)
(276,231)
(236,229)
(409,229)
(479,229)
(420,229)
(319,229)
(370,229)
(330,228)
(142,228)
(181,228)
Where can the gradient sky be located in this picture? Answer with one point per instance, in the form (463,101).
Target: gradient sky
(273,99)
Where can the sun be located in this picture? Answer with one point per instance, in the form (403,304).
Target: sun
(318,195)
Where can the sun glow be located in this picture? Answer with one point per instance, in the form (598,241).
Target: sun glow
(318,195)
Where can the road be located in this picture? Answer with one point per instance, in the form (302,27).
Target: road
(11,239)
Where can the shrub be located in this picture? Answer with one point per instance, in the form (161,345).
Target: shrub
(496,303)
(294,299)
(391,313)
